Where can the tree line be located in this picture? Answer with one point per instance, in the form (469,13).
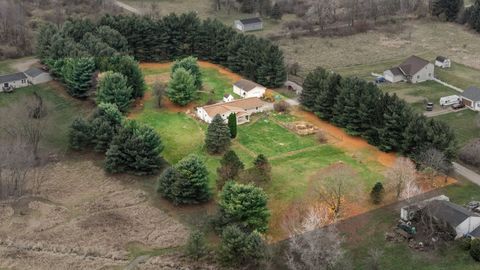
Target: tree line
(384,120)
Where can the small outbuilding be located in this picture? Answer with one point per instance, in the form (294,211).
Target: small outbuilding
(228,98)
(471,98)
(394,75)
(250,24)
(247,89)
(443,62)
(11,81)
(37,76)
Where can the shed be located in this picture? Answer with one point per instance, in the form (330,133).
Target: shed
(37,76)
(228,98)
(11,81)
(443,62)
(246,89)
(250,24)
(471,98)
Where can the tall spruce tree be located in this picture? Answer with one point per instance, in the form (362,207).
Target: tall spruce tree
(181,90)
(232,125)
(135,149)
(128,67)
(326,96)
(272,72)
(166,181)
(80,134)
(311,87)
(105,124)
(276,12)
(113,88)
(79,77)
(450,8)
(217,139)
(190,64)
(397,116)
(191,185)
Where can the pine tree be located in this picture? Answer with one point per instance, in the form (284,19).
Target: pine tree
(190,64)
(217,139)
(347,105)
(474,18)
(105,123)
(450,8)
(45,40)
(79,80)
(191,186)
(272,71)
(166,182)
(181,89)
(113,89)
(276,12)
(397,115)
(230,168)
(136,149)
(311,87)
(262,167)
(239,249)
(326,96)
(80,135)
(417,136)
(196,246)
(232,125)
(128,67)
(377,193)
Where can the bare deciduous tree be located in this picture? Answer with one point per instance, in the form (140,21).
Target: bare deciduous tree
(402,172)
(434,163)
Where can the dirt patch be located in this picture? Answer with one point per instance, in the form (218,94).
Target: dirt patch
(83,213)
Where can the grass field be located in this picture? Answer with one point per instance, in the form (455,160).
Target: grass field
(465,124)
(459,75)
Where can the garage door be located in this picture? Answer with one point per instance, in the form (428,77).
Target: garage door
(467,102)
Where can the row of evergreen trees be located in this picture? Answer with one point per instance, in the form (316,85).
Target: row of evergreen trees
(472,15)
(176,36)
(382,119)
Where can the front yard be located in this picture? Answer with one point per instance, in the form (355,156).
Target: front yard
(466,125)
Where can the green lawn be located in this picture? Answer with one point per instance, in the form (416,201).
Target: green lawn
(61,112)
(215,86)
(459,75)
(464,123)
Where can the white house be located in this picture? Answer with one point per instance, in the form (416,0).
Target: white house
(246,89)
(413,70)
(11,81)
(250,24)
(228,98)
(471,98)
(37,76)
(443,62)
(243,108)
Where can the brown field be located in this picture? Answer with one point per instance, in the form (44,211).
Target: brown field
(82,219)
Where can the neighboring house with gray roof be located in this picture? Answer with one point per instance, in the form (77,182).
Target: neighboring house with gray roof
(471,98)
(413,70)
(250,24)
(37,76)
(11,81)
(247,89)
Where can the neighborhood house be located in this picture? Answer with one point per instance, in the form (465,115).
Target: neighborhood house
(12,81)
(443,62)
(413,70)
(471,98)
(37,76)
(243,108)
(246,89)
(251,24)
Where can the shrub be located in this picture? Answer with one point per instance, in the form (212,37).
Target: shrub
(136,148)
(465,243)
(245,206)
(80,135)
(196,246)
(166,181)
(232,125)
(230,167)
(217,139)
(113,89)
(262,166)
(281,106)
(475,249)
(321,137)
(470,153)
(377,193)
(240,249)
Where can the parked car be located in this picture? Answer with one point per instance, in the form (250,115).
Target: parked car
(429,107)
(458,106)
(380,80)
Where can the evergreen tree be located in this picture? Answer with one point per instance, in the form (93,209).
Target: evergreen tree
(397,116)
(474,17)
(196,246)
(417,135)
(128,67)
(79,77)
(314,81)
(247,6)
(240,249)
(245,206)
(262,166)
(136,148)
(450,8)
(272,72)
(217,139)
(276,12)
(181,89)
(106,122)
(96,47)
(377,193)
(190,64)
(113,89)
(230,167)
(45,40)
(326,96)
(475,249)
(347,105)
(191,186)
(232,125)
(80,135)
(112,38)
(166,181)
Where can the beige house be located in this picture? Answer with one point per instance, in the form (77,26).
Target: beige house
(413,70)
(243,108)
(247,89)
(11,81)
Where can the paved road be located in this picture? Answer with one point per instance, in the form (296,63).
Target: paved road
(442,112)
(467,173)
(127,7)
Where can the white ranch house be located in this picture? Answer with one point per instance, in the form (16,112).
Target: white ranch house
(243,108)
(246,89)
(30,76)
(413,70)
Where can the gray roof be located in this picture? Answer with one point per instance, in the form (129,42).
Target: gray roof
(33,72)
(413,65)
(246,85)
(476,233)
(441,58)
(448,212)
(396,71)
(251,20)
(472,93)
(12,77)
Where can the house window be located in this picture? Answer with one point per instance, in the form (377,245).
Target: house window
(256,108)
(23,81)
(429,74)
(5,85)
(418,76)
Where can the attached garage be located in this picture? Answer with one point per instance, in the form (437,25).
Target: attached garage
(471,98)
(393,75)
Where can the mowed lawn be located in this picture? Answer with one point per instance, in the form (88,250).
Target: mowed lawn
(464,123)
(459,75)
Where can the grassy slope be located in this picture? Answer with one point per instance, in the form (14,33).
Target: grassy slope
(464,123)
(459,75)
